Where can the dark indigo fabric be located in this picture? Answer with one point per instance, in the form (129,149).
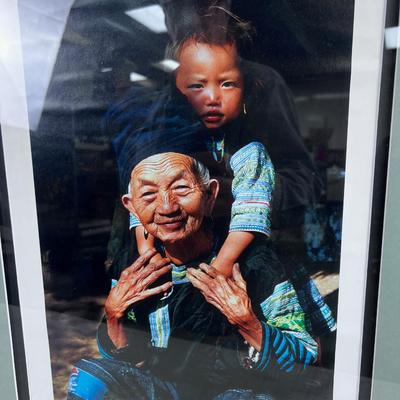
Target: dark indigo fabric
(205,353)
(126,382)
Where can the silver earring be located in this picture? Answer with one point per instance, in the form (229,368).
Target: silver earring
(244,109)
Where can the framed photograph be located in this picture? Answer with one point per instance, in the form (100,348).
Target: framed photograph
(187,195)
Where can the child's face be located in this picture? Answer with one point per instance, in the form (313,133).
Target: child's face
(209,77)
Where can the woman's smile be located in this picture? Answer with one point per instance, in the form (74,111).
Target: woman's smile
(172,225)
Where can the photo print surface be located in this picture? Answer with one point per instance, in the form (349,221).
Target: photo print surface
(189,166)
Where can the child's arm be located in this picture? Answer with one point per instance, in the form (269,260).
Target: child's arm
(145,243)
(233,247)
(252,188)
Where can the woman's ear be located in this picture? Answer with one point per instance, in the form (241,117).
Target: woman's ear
(127,201)
(212,194)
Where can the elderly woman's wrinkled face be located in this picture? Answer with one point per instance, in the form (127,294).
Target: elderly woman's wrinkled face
(168,198)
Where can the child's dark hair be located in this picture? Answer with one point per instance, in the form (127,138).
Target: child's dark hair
(215,25)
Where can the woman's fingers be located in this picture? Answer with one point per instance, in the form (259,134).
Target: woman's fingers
(226,290)
(200,275)
(233,285)
(157,290)
(153,276)
(193,277)
(130,284)
(139,263)
(150,268)
(209,270)
(129,275)
(215,303)
(237,277)
(202,282)
(207,287)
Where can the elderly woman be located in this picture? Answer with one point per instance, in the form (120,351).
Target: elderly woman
(174,329)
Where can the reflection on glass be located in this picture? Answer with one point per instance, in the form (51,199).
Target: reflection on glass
(151,17)
(101,78)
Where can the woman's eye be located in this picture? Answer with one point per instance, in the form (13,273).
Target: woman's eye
(147,194)
(229,84)
(181,188)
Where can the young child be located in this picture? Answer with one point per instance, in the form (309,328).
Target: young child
(210,77)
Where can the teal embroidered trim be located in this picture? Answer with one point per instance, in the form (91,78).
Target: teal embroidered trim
(179,274)
(160,327)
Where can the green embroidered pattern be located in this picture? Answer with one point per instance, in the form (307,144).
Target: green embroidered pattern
(131,316)
(283,310)
(291,322)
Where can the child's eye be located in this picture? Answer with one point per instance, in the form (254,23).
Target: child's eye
(229,84)
(195,86)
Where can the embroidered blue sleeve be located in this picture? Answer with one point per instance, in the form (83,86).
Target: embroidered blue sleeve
(287,350)
(133,221)
(252,187)
(287,343)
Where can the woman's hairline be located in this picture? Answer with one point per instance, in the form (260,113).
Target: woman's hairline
(199,170)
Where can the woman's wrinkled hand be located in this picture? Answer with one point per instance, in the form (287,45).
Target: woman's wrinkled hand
(229,296)
(133,284)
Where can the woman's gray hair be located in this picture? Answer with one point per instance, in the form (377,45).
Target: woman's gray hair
(202,173)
